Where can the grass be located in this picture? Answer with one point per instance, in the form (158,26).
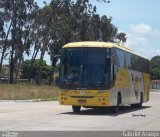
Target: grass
(26,92)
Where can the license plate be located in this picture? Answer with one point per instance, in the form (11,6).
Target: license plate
(81,101)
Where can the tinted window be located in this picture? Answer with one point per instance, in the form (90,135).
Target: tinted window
(128,60)
(120,56)
(85,68)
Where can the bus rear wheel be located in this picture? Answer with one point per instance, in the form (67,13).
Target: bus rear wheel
(76,109)
(138,105)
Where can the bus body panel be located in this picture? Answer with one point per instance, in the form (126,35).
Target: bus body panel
(137,86)
(146,78)
(130,84)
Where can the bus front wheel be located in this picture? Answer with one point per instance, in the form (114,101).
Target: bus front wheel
(76,109)
(116,109)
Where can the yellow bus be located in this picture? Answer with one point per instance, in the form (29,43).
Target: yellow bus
(102,74)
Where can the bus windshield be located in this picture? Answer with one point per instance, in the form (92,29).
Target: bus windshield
(87,68)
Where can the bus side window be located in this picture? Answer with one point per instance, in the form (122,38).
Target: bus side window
(128,60)
(120,58)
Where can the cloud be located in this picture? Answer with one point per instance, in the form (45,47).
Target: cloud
(143,40)
(156,34)
(137,39)
(140,28)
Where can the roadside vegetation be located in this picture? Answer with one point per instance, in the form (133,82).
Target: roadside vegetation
(155,68)
(27,92)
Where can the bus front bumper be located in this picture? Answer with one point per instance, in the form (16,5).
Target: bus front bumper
(96,101)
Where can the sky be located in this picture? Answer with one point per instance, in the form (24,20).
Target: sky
(139,19)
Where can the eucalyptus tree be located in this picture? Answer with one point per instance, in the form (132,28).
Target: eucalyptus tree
(121,37)
(108,30)
(26,38)
(4,18)
(42,27)
(2,21)
(16,12)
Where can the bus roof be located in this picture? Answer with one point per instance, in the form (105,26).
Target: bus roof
(100,45)
(96,44)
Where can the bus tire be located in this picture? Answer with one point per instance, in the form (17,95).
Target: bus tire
(116,109)
(138,105)
(76,109)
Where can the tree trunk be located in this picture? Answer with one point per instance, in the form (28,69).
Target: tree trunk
(5,47)
(12,65)
(2,57)
(51,76)
(54,60)
(17,69)
(13,35)
(39,73)
(32,62)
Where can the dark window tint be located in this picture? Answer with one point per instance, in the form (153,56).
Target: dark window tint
(120,58)
(85,68)
(128,60)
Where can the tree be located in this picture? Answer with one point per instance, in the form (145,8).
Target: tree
(16,12)
(3,34)
(27,67)
(155,67)
(121,37)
